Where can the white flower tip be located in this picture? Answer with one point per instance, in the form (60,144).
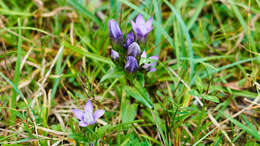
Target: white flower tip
(143,54)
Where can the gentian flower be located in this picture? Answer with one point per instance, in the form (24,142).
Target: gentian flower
(114,55)
(115,33)
(87,117)
(150,63)
(129,39)
(131,64)
(141,27)
(133,50)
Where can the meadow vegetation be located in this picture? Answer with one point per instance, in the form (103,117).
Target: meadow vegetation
(55,57)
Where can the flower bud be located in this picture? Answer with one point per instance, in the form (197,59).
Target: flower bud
(131,64)
(129,39)
(114,55)
(133,50)
(115,33)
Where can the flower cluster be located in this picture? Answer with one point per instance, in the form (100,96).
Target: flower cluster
(127,52)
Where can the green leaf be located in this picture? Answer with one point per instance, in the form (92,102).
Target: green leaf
(199,83)
(146,60)
(129,112)
(194,92)
(211,98)
(207,97)
(114,73)
(138,96)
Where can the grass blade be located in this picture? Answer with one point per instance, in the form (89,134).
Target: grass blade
(186,33)
(157,8)
(84,11)
(16,74)
(245,27)
(196,14)
(247,129)
(88,54)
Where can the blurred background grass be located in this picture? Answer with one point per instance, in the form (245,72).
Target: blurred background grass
(54,57)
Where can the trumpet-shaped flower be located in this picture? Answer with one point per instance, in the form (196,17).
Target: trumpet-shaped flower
(131,64)
(141,27)
(87,117)
(115,33)
(133,50)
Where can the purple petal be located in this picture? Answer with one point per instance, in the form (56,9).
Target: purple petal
(129,39)
(78,114)
(144,54)
(133,50)
(114,29)
(83,124)
(131,64)
(93,122)
(140,20)
(153,64)
(88,117)
(141,26)
(98,114)
(141,31)
(148,24)
(114,55)
(152,69)
(154,57)
(134,26)
(138,31)
(88,107)
(146,66)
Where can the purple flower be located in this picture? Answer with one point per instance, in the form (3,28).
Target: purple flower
(87,117)
(141,27)
(115,33)
(133,50)
(114,55)
(129,39)
(131,64)
(149,66)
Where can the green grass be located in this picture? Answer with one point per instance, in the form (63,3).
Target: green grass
(17,73)
(54,58)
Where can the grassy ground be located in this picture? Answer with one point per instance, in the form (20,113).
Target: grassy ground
(54,58)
